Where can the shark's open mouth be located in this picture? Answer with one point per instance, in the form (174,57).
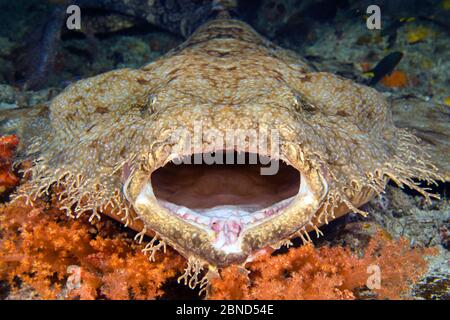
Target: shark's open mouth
(225,198)
(223,213)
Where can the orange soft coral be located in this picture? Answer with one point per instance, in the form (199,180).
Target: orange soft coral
(397,79)
(40,246)
(7,146)
(325,273)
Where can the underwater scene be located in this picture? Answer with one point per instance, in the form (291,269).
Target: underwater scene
(224,150)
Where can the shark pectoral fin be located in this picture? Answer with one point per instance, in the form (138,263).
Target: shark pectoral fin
(26,123)
(431,123)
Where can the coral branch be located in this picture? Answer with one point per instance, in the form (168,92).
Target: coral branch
(325,273)
(8,145)
(50,244)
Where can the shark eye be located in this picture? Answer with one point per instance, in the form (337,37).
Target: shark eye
(297,103)
(148,108)
(152,102)
(301,105)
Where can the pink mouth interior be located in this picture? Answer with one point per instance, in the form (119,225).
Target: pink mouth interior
(202,186)
(225,198)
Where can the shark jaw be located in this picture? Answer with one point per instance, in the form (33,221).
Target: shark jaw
(223,214)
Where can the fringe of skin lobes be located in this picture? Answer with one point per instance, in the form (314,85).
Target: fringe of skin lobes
(79,195)
(414,163)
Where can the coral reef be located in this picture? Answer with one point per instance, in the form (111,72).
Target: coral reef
(447,101)
(417,34)
(326,273)
(41,248)
(403,215)
(8,179)
(396,79)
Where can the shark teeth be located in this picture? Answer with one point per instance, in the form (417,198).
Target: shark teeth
(227,221)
